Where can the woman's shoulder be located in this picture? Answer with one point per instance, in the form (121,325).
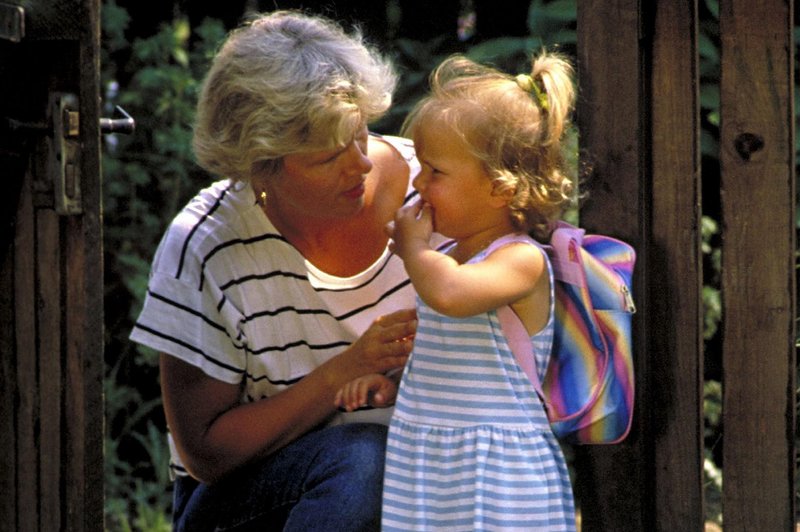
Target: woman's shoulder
(394,166)
(402,146)
(395,156)
(209,220)
(212,208)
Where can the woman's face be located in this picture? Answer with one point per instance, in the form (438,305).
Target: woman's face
(323,184)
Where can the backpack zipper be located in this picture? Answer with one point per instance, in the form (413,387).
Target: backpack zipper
(628,299)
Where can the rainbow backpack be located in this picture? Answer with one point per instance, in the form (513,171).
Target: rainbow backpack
(588,387)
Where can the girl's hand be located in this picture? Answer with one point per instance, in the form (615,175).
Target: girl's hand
(374,390)
(412,227)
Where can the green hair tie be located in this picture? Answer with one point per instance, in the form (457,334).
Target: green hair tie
(527,83)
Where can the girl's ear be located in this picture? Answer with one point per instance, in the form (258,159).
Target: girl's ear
(502,196)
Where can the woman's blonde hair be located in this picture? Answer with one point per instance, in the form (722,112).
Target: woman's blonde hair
(286,83)
(514,125)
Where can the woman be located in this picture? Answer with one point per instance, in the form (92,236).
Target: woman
(275,286)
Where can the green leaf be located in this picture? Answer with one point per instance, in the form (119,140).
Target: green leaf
(707,49)
(491,49)
(713,7)
(709,96)
(561,10)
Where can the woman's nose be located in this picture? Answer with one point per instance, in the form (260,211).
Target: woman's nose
(357,159)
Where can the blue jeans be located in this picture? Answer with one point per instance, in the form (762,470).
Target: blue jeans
(329,479)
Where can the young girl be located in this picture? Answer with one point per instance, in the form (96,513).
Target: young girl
(470,447)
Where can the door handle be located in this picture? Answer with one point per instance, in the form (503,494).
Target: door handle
(125,125)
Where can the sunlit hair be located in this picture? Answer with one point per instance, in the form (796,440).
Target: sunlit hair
(514,130)
(286,83)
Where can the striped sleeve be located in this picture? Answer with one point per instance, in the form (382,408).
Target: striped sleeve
(183,321)
(185,314)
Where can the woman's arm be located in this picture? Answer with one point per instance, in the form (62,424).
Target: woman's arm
(215,433)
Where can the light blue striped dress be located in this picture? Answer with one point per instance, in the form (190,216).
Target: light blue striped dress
(470,447)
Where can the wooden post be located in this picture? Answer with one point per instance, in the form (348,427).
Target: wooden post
(758,264)
(611,483)
(639,125)
(674,343)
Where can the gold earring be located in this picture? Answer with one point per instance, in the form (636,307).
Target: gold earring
(263,198)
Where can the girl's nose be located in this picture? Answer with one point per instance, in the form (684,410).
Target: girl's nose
(419,182)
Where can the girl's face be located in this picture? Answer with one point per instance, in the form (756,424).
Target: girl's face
(453,181)
(327,183)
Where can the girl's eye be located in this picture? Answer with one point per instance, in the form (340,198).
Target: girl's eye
(433,169)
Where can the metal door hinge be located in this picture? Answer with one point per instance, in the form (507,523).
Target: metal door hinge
(12,22)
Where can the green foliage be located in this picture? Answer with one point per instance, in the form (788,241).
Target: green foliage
(135,479)
(147,177)
(712,304)
(551,26)
(712,471)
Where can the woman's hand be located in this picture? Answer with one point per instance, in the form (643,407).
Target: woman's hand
(216,433)
(376,390)
(384,346)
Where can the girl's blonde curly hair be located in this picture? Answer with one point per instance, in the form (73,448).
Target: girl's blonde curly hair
(514,125)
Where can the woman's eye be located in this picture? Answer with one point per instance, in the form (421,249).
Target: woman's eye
(328,158)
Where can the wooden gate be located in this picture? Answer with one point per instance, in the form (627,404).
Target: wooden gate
(51,278)
(638,118)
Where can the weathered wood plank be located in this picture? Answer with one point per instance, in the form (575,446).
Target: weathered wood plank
(8,372)
(758,195)
(84,294)
(48,290)
(84,375)
(611,483)
(26,385)
(674,383)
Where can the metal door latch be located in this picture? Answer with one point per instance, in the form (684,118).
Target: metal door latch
(65,148)
(61,133)
(64,153)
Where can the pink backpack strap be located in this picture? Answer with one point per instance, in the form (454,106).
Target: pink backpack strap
(517,337)
(520,344)
(565,244)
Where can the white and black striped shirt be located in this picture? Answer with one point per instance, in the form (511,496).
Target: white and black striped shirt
(229,295)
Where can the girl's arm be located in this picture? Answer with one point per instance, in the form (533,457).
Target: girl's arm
(376,390)
(508,274)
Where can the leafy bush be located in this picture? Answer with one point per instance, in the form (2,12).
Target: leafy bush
(147,177)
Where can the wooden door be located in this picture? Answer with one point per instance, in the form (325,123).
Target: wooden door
(51,276)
